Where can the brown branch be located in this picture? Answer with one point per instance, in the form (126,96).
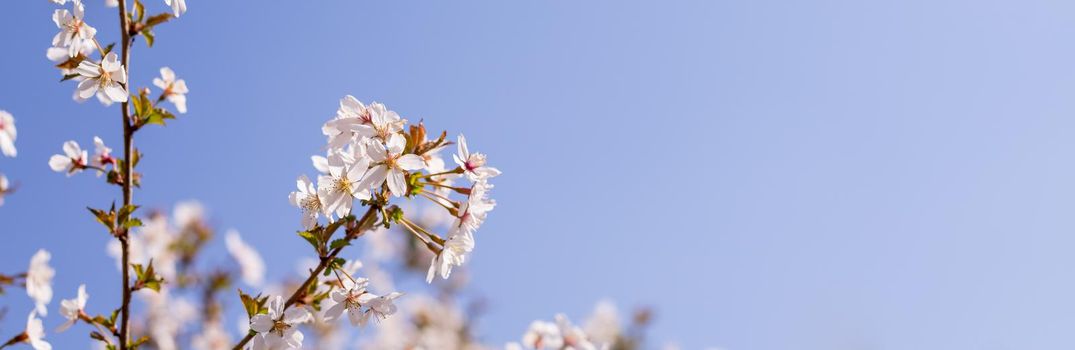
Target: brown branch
(325,262)
(127,171)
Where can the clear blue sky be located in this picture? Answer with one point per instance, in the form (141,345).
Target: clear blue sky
(768,174)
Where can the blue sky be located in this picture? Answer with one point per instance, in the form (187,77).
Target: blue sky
(767,174)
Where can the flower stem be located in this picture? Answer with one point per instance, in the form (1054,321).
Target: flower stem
(359,229)
(127,171)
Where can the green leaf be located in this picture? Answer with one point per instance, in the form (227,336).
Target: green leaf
(252,305)
(126,211)
(139,11)
(106,218)
(148,34)
(147,277)
(339,243)
(139,271)
(133,222)
(312,239)
(97,336)
(158,19)
(140,105)
(158,116)
(139,342)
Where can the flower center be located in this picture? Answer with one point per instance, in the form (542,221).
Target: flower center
(311,203)
(342,184)
(475,161)
(279,327)
(105,76)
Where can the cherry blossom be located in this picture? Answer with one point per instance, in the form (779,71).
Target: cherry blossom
(174,90)
(72,161)
(105,79)
(390,163)
(473,164)
(343,184)
(39,281)
(381,122)
(278,328)
(351,298)
(72,309)
(351,116)
(74,32)
(307,199)
(35,333)
(454,253)
(379,307)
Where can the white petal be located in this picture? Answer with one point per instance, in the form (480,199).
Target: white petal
(396,183)
(87,88)
(296,315)
(396,143)
(261,323)
(410,162)
(115,92)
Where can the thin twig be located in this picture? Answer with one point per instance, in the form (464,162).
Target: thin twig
(325,262)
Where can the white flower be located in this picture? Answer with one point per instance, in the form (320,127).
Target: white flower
(351,298)
(476,208)
(72,161)
(454,253)
(5,187)
(351,115)
(39,280)
(71,309)
(178,6)
(74,32)
(105,79)
(59,2)
(7,134)
(390,164)
(343,184)
(543,335)
(473,164)
(174,90)
(251,266)
(35,333)
(306,198)
(278,329)
(379,307)
(379,122)
(112,3)
(102,155)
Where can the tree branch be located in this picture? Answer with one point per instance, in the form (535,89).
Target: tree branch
(128,138)
(325,261)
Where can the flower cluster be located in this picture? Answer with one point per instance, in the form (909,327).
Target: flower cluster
(106,78)
(74,159)
(372,158)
